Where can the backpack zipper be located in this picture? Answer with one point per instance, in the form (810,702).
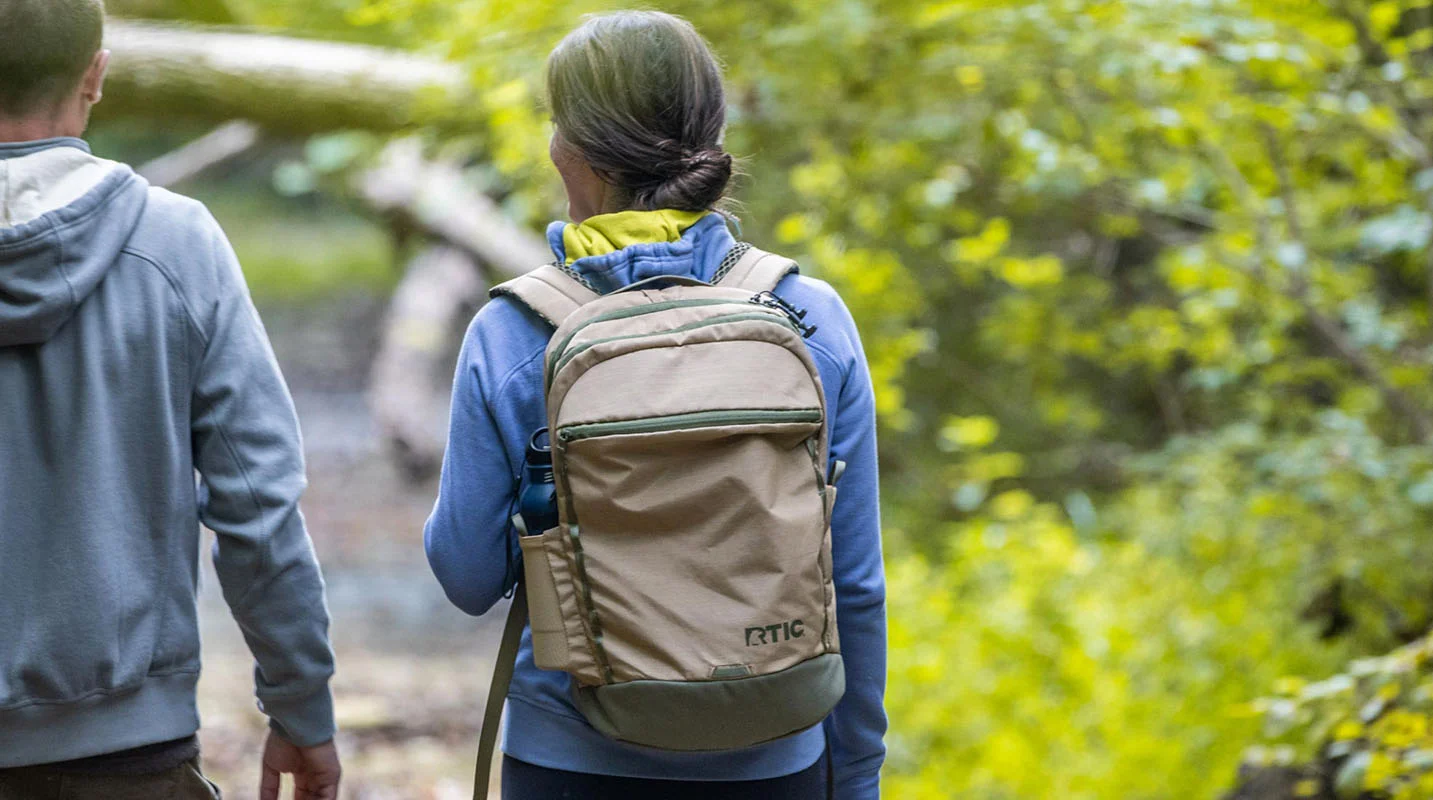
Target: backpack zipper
(697,419)
(796,315)
(568,355)
(634,311)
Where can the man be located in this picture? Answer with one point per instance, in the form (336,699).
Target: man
(130,358)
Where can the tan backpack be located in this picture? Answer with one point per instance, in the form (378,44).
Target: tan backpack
(687,588)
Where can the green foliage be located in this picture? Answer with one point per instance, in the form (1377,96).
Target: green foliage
(1145,287)
(301,249)
(1369,731)
(210,11)
(1033,664)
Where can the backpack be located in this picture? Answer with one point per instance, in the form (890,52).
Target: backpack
(687,588)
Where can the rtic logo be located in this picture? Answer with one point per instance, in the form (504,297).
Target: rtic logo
(771,634)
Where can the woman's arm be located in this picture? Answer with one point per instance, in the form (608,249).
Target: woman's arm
(858,725)
(467,538)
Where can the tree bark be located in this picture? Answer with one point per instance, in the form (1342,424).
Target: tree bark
(435,197)
(480,246)
(408,386)
(283,84)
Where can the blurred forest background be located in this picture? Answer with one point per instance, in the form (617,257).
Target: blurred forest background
(1147,288)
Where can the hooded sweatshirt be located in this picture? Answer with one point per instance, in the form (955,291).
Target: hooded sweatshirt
(130,358)
(498,403)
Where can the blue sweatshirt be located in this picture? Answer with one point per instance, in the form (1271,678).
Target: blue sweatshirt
(498,403)
(130,359)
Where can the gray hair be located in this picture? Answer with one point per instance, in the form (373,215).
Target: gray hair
(45,47)
(639,95)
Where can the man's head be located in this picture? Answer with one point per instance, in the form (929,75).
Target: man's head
(51,66)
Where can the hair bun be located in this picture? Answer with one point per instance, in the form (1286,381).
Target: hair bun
(696,183)
(703,158)
(674,159)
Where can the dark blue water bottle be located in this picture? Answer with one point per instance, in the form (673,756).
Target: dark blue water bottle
(537,505)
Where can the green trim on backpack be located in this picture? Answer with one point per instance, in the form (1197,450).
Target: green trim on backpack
(734,713)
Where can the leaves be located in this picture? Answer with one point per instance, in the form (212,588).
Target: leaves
(1375,723)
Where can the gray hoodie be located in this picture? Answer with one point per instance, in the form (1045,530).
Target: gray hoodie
(130,359)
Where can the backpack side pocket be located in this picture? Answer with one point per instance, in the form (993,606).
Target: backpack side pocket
(549,634)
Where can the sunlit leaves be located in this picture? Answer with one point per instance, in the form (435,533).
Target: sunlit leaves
(1375,721)
(969,432)
(1038,665)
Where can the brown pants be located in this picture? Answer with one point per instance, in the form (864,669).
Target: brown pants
(184,782)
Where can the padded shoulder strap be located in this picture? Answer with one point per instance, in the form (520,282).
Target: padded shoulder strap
(548,290)
(758,271)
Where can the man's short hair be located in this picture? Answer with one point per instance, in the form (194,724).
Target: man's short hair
(45,47)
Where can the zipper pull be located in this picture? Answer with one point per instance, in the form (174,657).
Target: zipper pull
(796,315)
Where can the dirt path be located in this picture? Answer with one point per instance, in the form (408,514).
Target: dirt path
(412,670)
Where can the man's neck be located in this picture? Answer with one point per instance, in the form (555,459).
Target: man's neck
(33,129)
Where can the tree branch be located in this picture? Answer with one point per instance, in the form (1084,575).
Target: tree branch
(1330,330)
(408,391)
(219,145)
(1298,288)
(1373,52)
(283,84)
(435,198)
(480,246)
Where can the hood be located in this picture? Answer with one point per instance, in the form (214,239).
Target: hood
(608,233)
(64,217)
(697,254)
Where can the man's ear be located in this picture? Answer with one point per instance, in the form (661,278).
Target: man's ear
(92,86)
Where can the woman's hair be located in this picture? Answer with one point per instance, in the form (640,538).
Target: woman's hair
(639,95)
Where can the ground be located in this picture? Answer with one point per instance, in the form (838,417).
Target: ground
(412,669)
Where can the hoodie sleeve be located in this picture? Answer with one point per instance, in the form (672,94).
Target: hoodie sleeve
(250,461)
(468,538)
(857,727)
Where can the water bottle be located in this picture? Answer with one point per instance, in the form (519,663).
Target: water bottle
(537,505)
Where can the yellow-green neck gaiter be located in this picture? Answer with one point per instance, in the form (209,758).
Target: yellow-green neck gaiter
(608,233)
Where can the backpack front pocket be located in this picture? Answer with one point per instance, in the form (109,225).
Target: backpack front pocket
(701,536)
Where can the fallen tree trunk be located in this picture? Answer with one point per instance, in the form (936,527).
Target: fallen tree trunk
(409,384)
(283,84)
(435,198)
(481,246)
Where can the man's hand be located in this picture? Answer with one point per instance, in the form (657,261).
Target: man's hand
(315,769)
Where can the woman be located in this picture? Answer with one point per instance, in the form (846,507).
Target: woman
(639,111)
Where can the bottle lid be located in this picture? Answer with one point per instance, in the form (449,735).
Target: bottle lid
(539,449)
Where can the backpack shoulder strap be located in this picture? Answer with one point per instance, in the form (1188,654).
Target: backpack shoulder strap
(498,691)
(757,270)
(552,292)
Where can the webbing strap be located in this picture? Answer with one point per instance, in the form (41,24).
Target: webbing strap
(830,764)
(498,690)
(758,271)
(548,291)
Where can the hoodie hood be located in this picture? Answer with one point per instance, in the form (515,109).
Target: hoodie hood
(697,254)
(64,218)
(608,233)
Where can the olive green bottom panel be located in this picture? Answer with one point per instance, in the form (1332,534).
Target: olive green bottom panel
(716,715)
